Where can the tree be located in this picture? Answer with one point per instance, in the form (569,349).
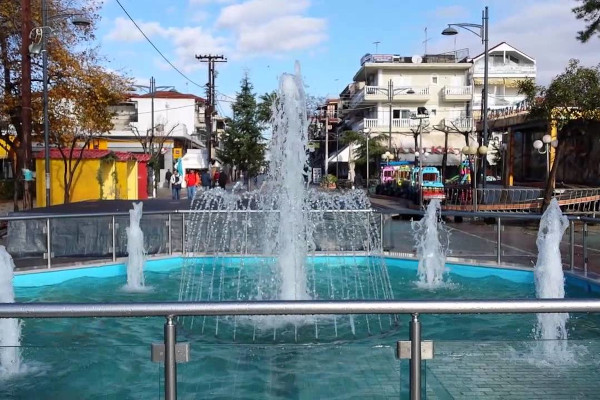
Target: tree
(448,127)
(377,147)
(243,143)
(265,106)
(589,11)
(81,102)
(571,104)
(64,49)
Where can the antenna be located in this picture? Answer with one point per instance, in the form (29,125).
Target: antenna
(425,41)
(376,46)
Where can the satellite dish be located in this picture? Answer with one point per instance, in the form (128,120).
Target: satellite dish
(417,59)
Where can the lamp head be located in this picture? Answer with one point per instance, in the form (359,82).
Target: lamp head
(367,130)
(483,150)
(554,143)
(449,31)
(35,48)
(465,150)
(473,150)
(547,139)
(81,20)
(538,144)
(410,91)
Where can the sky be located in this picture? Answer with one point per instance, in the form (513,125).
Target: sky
(328,37)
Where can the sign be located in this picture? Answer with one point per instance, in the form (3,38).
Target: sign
(316,175)
(383,58)
(177,152)
(312,146)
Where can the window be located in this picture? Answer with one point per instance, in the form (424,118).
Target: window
(513,59)
(432,112)
(404,114)
(434,79)
(396,114)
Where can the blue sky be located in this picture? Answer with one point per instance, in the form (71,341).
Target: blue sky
(328,37)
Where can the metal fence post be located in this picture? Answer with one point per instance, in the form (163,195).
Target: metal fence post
(170,235)
(48,243)
(585,249)
(415,357)
(114,239)
(499,241)
(381,231)
(170,359)
(572,244)
(182,233)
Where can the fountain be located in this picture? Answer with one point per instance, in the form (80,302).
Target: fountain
(10,328)
(284,241)
(430,251)
(135,251)
(550,283)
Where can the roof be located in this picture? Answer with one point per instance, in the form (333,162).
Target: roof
(89,154)
(167,94)
(477,57)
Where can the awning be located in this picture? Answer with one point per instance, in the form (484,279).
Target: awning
(491,81)
(341,156)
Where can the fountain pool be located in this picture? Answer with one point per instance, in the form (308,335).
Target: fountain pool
(109,358)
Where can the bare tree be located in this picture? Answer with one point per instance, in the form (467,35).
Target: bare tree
(448,127)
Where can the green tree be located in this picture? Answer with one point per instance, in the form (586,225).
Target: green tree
(571,104)
(265,106)
(243,143)
(377,147)
(589,11)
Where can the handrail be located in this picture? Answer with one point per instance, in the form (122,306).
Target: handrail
(173,309)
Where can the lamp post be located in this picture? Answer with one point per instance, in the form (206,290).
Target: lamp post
(390,91)
(546,142)
(483,34)
(38,45)
(422,114)
(472,153)
(367,132)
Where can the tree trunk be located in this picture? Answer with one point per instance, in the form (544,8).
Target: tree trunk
(66,197)
(552,178)
(17,166)
(26,96)
(445,156)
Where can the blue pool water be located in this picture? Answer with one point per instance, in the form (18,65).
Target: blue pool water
(110,358)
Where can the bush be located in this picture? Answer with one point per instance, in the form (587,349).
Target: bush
(328,180)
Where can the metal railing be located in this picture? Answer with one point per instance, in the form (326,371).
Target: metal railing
(172,310)
(458,90)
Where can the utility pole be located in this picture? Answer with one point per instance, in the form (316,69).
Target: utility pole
(326,140)
(211,95)
(390,99)
(25,145)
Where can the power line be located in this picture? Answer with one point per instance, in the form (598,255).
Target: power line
(156,48)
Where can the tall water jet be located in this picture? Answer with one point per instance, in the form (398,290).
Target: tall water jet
(551,329)
(430,251)
(136,255)
(10,328)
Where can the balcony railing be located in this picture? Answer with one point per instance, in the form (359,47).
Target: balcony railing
(458,90)
(463,123)
(397,123)
(507,69)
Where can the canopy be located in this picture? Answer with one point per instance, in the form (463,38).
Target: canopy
(343,155)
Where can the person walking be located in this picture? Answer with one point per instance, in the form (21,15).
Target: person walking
(168,176)
(190,183)
(205,179)
(215,179)
(222,179)
(175,185)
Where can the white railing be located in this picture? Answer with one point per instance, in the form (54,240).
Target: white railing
(458,90)
(401,122)
(370,122)
(507,69)
(383,90)
(463,123)
(396,123)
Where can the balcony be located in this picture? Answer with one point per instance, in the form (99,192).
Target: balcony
(457,93)
(398,125)
(507,69)
(461,124)
(374,94)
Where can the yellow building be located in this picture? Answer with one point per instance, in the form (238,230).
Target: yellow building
(100,175)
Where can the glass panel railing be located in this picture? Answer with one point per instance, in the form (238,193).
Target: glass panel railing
(513,369)
(26,241)
(518,239)
(81,239)
(592,246)
(291,371)
(83,372)
(472,239)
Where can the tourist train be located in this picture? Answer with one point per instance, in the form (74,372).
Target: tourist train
(401,178)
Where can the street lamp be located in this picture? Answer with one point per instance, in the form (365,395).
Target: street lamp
(472,153)
(39,44)
(391,92)
(483,34)
(367,132)
(546,142)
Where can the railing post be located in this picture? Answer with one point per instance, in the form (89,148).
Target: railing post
(182,233)
(585,249)
(499,241)
(415,358)
(114,238)
(48,243)
(170,234)
(381,231)
(572,244)
(170,359)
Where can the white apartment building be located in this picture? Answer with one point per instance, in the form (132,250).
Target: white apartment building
(440,83)
(507,66)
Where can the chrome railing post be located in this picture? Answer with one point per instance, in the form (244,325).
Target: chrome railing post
(572,244)
(498,241)
(415,357)
(381,231)
(48,243)
(585,249)
(114,238)
(182,233)
(170,234)
(170,359)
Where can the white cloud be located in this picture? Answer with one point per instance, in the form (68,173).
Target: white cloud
(255,12)
(190,41)
(125,31)
(205,2)
(454,11)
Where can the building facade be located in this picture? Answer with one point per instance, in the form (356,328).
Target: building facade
(507,66)
(389,91)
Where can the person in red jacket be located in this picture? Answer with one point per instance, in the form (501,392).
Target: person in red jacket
(190,182)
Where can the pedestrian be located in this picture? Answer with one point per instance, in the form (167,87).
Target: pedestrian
(216,177)
(198,180)
(222,179)
(190,183)
(205,179)
(168,176)
(175,185)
